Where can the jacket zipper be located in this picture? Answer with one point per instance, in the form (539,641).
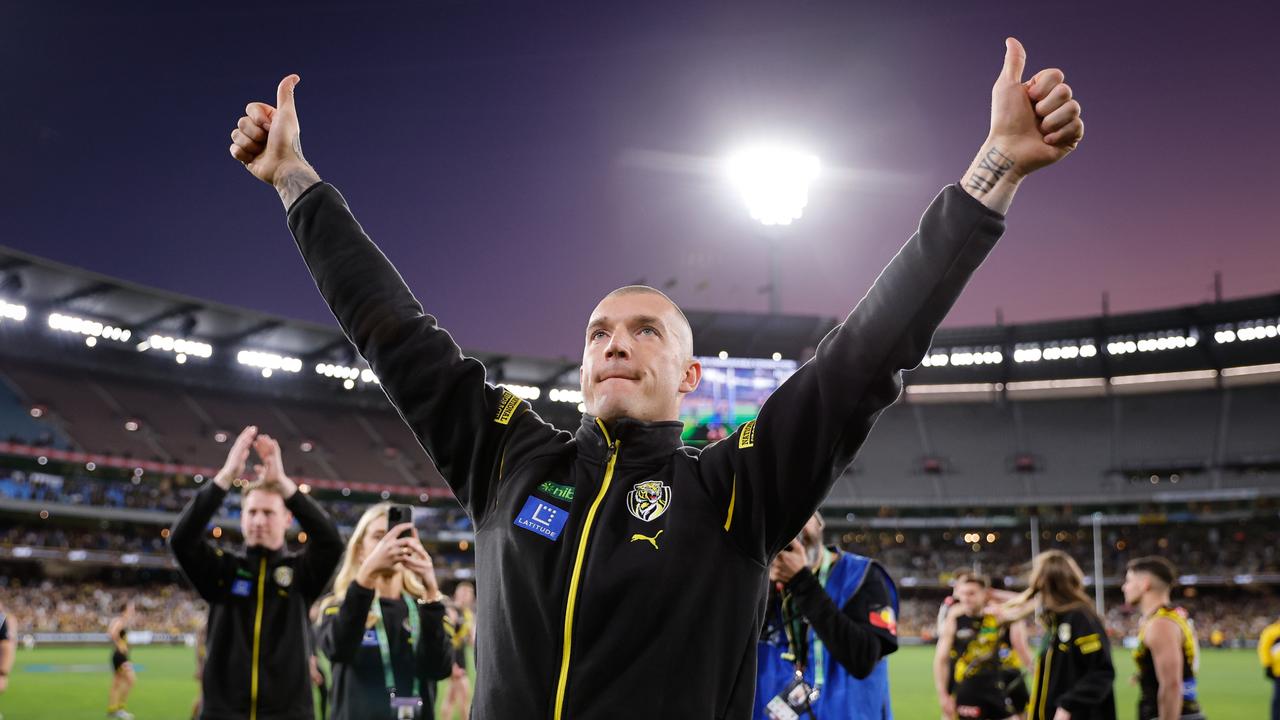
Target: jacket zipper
(575,577)
(257,641)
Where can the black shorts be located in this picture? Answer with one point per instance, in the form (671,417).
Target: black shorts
(118,659)
(460,656)
(992,696)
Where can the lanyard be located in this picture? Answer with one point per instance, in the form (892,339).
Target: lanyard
(819,669)
(385,648)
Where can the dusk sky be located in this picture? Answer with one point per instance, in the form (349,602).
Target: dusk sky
(518,160)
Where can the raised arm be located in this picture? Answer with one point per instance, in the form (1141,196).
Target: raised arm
(342,626)
(324,544)
(443,397)
(199,560)
(784,463)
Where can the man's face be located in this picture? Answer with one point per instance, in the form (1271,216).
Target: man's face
(1135,584)
(263,520)
(637,361)
(972,597)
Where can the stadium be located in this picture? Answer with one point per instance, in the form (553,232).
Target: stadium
(1110,437)
(849,434)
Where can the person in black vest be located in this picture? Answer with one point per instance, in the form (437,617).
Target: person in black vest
(383,628)
(1168,653)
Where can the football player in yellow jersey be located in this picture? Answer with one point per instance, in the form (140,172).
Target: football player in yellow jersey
(979,659)
(1269,656)
(1168,655)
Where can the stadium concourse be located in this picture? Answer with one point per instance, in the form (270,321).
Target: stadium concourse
(1109,437)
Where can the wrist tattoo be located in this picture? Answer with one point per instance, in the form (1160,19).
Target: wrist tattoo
(294,182)
(991,167)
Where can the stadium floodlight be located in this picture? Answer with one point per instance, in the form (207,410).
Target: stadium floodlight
(12,311)
(1153,342)
(524,392)
(91,329)
(961,357)
(1249,330)
(936,358)
(181,348)
(268,362)
(566,395)
(347,374)
(773,182)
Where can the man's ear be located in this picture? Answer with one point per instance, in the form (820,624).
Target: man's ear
(692,377)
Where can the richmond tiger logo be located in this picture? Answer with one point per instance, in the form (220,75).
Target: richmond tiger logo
(648,500)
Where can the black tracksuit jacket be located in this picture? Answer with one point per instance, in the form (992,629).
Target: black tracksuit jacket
(256,666)
(1073,670)
(586,610)
(359,680)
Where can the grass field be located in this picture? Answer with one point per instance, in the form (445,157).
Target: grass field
(71,684)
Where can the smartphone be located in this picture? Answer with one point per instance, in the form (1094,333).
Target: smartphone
(398,515)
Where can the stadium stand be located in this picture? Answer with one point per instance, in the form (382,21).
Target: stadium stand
(102,442)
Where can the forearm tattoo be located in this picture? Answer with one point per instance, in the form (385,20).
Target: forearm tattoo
(991,167)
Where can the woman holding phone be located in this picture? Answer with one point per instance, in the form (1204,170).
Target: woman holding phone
(383,627)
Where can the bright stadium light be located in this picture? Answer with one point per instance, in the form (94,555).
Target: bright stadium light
(774,182)
(1154,342)
(1249,330)
(89,328)
(12,311)
(268,362)
(346,373)
(181,348)
(524,392)
(936,358)
(565,395)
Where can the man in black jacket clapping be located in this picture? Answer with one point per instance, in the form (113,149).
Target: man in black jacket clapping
(257,663)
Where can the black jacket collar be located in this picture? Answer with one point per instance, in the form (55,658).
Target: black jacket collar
(639,442)
(257,551)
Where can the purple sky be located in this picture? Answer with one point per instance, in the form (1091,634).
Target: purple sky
(518,160)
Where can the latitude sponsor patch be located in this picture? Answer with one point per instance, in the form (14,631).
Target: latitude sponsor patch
(542,518)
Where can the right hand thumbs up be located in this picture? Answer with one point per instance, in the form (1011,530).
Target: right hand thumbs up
(267,139)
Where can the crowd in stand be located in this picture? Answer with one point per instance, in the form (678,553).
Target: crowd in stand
(170,494)
(48,606)
(1226,549)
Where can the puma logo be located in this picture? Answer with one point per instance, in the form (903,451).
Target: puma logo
(651,540)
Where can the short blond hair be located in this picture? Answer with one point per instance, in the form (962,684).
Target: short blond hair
(269,486)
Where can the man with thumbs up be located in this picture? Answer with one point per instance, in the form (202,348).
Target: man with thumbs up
(579,620)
